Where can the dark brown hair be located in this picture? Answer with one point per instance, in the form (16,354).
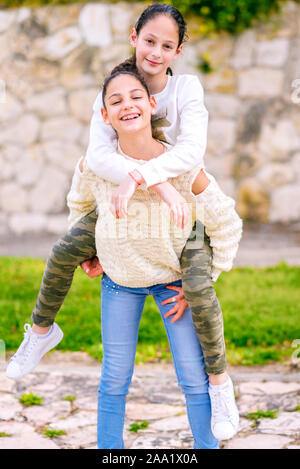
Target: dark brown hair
(120,70)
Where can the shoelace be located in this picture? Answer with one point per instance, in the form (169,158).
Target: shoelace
(221,404)
(26,346)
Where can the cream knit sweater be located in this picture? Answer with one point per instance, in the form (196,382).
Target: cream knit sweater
(144,248)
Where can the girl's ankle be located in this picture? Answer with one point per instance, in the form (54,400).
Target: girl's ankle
(216,380)
(40,330)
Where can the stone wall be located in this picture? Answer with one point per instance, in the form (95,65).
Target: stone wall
(52,62)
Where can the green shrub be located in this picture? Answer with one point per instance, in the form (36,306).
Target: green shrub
(228,15)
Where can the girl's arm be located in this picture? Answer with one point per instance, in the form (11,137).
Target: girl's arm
(222,224)
(191,140)
(187,153)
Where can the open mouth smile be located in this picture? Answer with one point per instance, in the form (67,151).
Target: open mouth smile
(130,117)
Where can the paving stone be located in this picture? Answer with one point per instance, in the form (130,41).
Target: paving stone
(155,443)
(154,397)
(78,439)
(9,406)
(171,424)
(271,387)
(151,411)
(80,419)
(287,423)
(31,441)
(6,384)
(258,442)
(40,415)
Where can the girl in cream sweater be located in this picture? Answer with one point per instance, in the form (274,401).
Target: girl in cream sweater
(139,254)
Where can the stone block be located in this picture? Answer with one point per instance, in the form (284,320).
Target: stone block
(27,223)
(252,201)
(272,53)
(222,105)
(122,20)
(59,45)
(275,174)
(13,198)
(64,128)
(77,67)
(285,204)
(260,82)
(6,19)
(10,107)
(49,194)
(29,165)
(48,103)
(223,80)
(279,140)
(243,50)
(25,131)
(81,104)
(94,23)
(221,135)
(62,155)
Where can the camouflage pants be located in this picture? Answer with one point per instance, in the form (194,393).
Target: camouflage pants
(196,263)
(76,246)
(198,288)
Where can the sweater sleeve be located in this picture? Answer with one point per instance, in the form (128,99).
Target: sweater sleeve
(222,224)
(80,198)
(187,153)
(190,146)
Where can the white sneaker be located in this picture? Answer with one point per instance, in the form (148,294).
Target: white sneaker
(31,350)
(224,411)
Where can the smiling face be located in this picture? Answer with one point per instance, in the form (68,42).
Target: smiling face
(128,108)
(156,45)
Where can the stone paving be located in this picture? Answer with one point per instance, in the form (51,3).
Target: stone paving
(154,397)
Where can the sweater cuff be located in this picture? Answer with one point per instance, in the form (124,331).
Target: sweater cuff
(150,175)
(215,274)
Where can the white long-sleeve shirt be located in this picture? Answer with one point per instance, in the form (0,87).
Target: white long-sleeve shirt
(181,103)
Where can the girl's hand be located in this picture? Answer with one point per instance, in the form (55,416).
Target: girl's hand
(179,307)
(92,267)
(123,194)
(175,201)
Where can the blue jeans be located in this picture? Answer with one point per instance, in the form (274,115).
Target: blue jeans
(121,311)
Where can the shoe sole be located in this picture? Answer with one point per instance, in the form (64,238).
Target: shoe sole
(55,341)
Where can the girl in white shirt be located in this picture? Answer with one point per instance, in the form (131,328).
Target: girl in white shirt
(157,39)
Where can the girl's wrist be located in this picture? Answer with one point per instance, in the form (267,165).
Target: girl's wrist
(136,176)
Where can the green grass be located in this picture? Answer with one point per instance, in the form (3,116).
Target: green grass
(136,426)
(69,398)
(260,306)
(261,414)
(53,433)
(30,399)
